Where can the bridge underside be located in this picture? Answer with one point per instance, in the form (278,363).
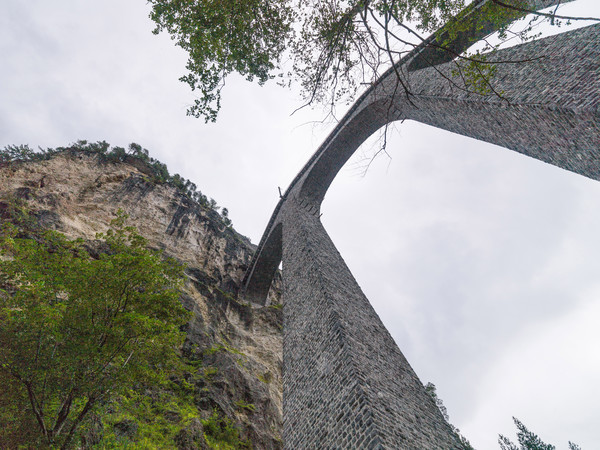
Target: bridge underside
(549,110)
(346,383)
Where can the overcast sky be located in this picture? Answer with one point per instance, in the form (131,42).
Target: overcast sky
(482,263)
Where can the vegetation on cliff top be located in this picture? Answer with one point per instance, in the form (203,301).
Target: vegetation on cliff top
(135,153)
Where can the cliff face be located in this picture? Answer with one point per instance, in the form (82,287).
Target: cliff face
(78,193)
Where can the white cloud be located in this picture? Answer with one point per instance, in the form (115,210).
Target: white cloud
(546,376)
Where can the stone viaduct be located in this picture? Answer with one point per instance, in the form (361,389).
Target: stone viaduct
(346,383)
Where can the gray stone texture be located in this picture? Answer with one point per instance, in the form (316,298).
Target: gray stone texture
(548,108)
(346,383)
(475,24)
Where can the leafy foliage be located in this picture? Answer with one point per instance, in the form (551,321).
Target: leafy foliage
(224,36)
(528,440)
(431,390)
(329,47)
(149,416)
(16,152)
(221,434)
(244,405)
(76,330)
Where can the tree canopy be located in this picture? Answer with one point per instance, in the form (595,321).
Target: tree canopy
(76,329)
(329,47)
(528,440)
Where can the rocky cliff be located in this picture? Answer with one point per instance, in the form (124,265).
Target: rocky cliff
(239,345)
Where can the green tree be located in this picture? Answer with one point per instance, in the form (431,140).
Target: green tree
(225,36)
(528,440)
(75,330)
(15,153)
(329,47)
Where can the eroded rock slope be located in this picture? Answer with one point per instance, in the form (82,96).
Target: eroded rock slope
(78,193)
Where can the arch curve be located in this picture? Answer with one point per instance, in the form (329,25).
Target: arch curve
(262,273)
(561,129)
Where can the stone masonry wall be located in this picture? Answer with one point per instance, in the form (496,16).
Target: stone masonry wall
(346,383)
(549,109)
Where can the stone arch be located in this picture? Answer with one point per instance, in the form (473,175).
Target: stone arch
(263,272)
(356,130)
(562,129)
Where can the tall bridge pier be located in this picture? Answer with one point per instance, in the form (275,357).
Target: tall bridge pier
(346,383)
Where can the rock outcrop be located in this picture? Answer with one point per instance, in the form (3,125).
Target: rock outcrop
(78,193)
